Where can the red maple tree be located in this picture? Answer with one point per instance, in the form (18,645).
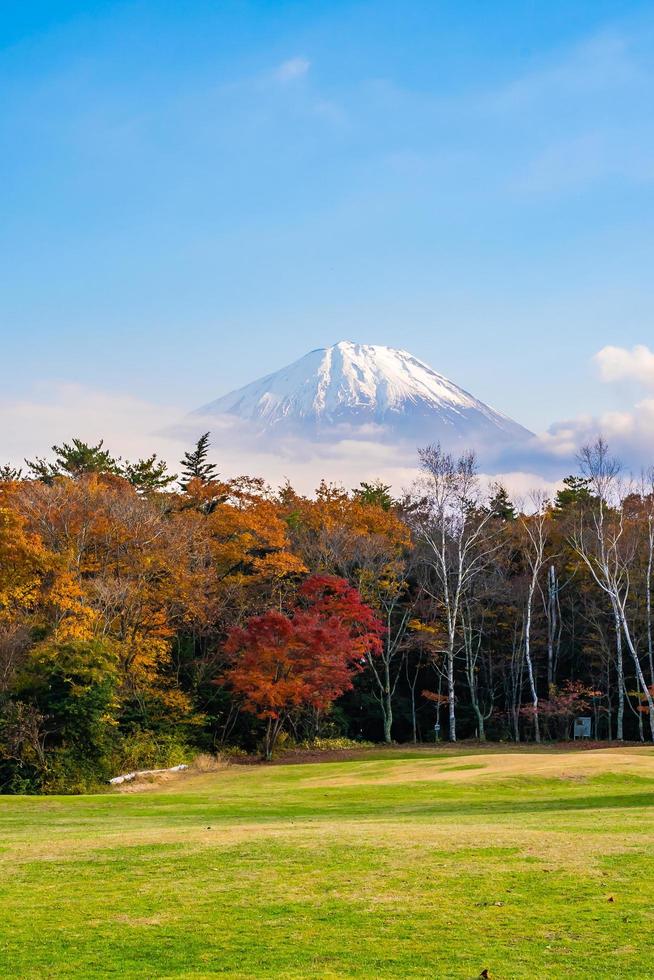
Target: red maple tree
(282,663)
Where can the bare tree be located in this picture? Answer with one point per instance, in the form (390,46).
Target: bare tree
(514,684)
(534,539)
(473,631)
(648,498)
(392,598)
(608,551)
(456,540)
(413,667)
(552,606)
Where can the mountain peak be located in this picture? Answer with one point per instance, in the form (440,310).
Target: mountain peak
(349,386)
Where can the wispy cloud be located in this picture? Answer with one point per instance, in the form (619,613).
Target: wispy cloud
(292,69)
(597,64)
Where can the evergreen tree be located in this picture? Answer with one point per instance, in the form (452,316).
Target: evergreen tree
(149,475)
(376,493)
(9,474)
(195,466)
(575,491)
(500,503)
(74,460)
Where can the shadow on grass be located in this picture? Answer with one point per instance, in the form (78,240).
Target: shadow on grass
(335,806)
(548,805)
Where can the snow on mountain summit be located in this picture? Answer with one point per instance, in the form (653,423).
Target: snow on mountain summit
(351,385)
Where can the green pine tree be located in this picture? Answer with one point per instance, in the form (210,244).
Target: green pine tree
(575,491)
(500,503)
(9,473)
(149,475)
(74,460)
(376,493)
(195,466)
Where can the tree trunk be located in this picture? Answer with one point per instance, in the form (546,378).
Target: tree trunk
(268,743)
(273,729)
(412,688)
(515,678)
(648,596)
(619,666)
(639,671)
(530,668)
(387,705)
(552,623)
(450,694)
(481,731)
(516,724)
(641,733)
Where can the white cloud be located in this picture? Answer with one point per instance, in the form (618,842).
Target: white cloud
(348,458)
(54,413)
(630,432)
(621,364)
(291,69)
(630,435)
(133,428)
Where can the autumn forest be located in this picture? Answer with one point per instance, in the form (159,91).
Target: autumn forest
(146,616)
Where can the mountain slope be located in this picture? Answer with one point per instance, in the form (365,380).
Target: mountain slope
(347,388)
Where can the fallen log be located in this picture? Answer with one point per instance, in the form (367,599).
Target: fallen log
(128,776)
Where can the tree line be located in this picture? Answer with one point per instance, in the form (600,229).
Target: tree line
(146,615)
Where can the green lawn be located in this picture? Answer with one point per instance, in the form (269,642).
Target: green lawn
(399,864)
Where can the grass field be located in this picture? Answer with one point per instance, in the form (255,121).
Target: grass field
(417,863)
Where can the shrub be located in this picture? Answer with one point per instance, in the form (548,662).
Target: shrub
(149,750)
(205,762)
(334,744)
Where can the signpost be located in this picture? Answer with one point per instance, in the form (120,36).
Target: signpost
(582,727)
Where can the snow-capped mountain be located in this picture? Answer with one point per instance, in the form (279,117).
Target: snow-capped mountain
(349,388)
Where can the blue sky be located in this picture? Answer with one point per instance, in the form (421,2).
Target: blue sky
(193,194)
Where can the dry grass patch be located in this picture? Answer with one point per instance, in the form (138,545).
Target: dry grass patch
(487,764)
